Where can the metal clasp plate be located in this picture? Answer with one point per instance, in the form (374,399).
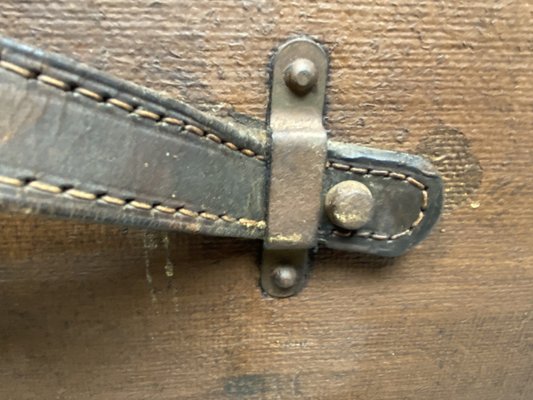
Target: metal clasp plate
(298,158)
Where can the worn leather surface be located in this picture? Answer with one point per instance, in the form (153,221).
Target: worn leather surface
(407,192)
(67,139)
(77,143)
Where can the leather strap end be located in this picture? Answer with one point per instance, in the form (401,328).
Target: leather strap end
(408,194)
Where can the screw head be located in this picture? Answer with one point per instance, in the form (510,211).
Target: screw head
(300,76)
(349,204)
(285,276)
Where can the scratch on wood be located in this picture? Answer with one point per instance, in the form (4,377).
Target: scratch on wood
(149,244)
(169,266)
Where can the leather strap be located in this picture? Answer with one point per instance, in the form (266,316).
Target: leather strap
(408,196)
(77,143)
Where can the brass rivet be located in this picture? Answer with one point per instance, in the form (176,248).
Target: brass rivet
(300,76)
(285,277)
(349,204)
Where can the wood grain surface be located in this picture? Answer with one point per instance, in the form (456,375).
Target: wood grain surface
(100,312)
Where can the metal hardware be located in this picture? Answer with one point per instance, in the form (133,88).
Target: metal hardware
(284,272)
(298,153)
(212,176)
(349,204)
(301,75)
(298,157)
(285,276)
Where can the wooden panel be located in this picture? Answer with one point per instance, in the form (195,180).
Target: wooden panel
(90,311)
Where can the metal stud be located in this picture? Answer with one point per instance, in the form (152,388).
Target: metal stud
(285,277)
(349,204)
(300,76)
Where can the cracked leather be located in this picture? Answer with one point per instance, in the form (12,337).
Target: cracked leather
(77,143)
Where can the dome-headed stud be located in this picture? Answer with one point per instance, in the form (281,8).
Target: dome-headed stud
(300,76)
(285,277)
(349,204)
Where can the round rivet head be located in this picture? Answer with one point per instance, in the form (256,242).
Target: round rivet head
(300,76)
(349,204)
(285,277)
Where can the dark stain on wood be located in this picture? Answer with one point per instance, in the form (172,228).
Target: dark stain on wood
(449,150)
(252,386)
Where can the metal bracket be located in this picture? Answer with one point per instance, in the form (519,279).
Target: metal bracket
(298,159)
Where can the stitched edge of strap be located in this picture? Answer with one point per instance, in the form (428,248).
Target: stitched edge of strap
(140,110)
(75,193)
(384,174)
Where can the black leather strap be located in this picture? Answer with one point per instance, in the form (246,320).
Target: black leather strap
(408,194)
(77,143)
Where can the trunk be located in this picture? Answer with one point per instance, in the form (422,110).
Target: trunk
(98,311)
